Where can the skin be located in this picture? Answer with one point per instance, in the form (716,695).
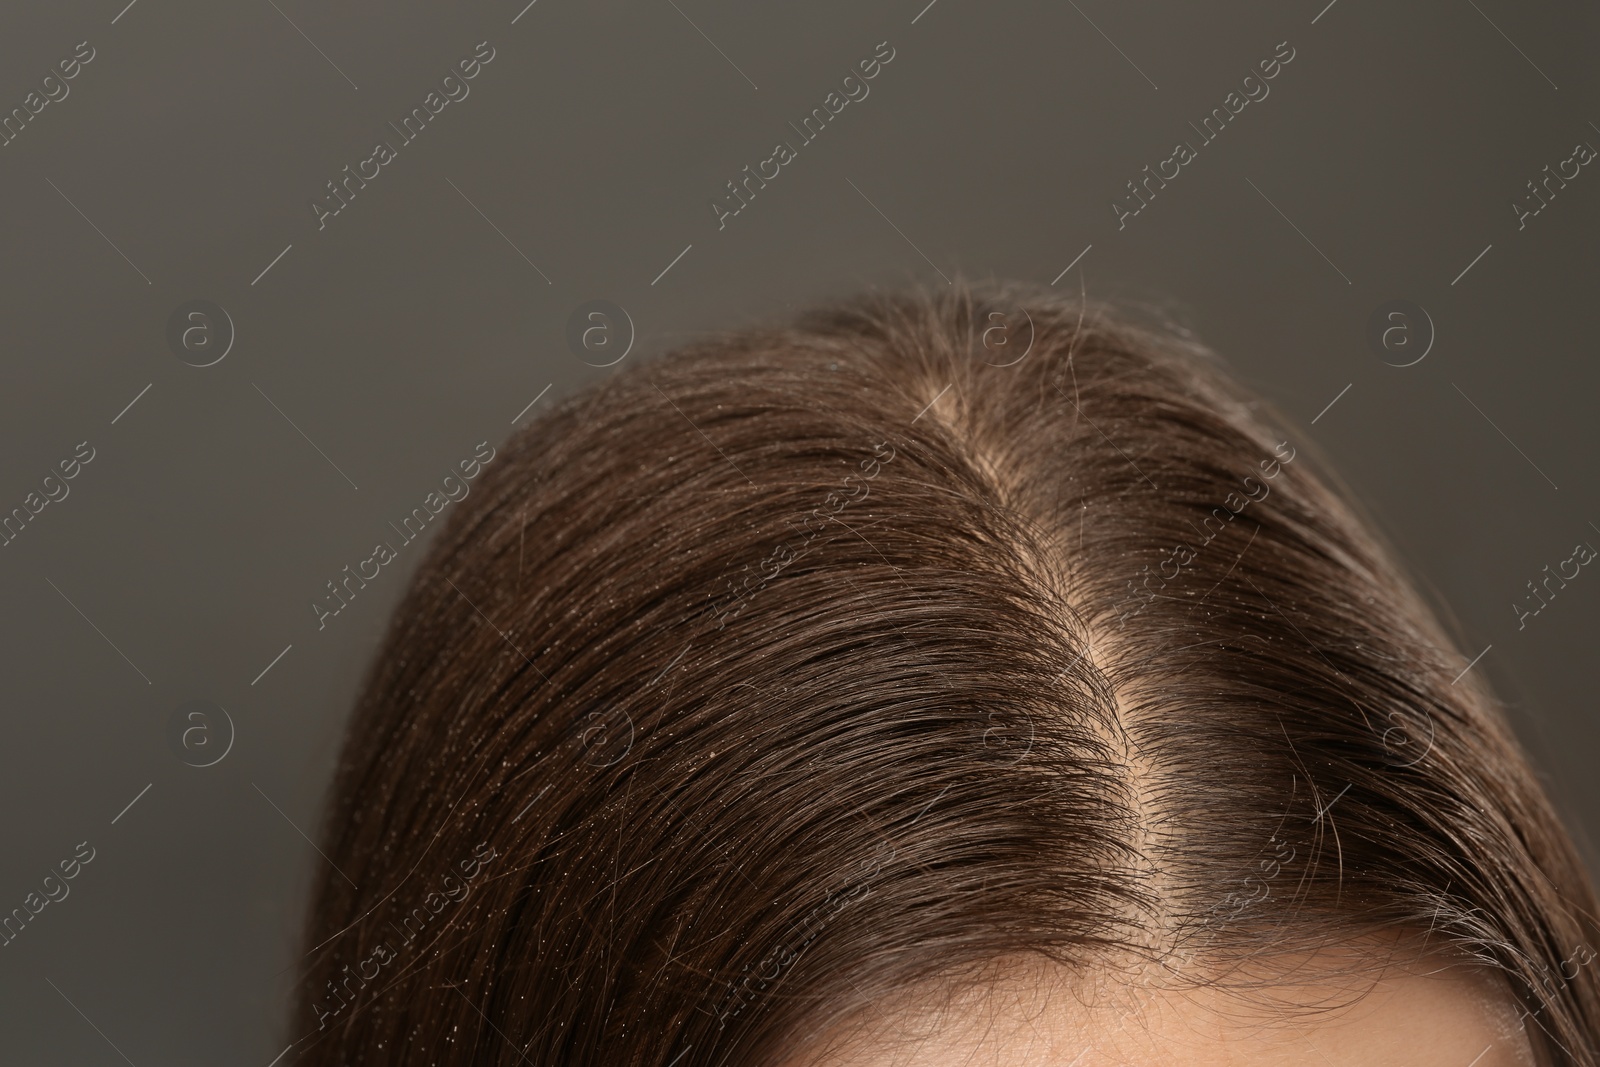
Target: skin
(1296,1013)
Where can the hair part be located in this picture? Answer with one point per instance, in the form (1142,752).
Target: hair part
(805,666)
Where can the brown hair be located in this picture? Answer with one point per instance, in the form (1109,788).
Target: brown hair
(802,666)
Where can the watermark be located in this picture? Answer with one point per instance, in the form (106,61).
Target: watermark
(52,890)
(451,890)
(1399,739)
(774,563)
(342,588)
(1255,888)
(200,333)
(1005,338)
(1541,191)
(55,490)
(1581,555)
(606,737)
(1181,555)
(600,333)
(1009,736)
(1400,332)
(853,88)
(53,89)
(200,733)
(1251,89)
(1549,986)
(342,190)
(755,979)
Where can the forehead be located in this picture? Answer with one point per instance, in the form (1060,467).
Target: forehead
(1439,1016)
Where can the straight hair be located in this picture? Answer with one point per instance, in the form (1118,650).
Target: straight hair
(804,666)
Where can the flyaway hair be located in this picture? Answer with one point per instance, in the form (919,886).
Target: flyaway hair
(802,666)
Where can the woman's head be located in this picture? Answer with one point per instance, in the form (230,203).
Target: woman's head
(822,691)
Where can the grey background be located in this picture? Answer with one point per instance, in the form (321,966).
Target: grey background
(186,556)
